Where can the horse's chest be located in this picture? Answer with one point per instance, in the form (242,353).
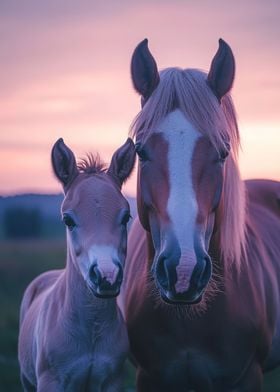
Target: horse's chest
(193,361)
(189,369)
(195,369)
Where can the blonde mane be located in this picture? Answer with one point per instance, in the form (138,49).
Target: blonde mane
(188,91)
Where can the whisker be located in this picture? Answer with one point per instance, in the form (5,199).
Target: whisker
(182,311)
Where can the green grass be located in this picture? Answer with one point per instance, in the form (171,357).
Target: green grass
(20,262)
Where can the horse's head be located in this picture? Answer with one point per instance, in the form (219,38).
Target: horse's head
(96,215)
(182,149)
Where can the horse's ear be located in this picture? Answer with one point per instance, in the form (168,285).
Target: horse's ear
(122,162)
(144,72)
(222,70)
(63,163)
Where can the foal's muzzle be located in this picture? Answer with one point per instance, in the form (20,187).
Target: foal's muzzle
(167,277)
(105,285)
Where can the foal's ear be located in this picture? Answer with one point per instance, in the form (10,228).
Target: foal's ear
(63,163)
(144,72)
(122,162)
(222,70)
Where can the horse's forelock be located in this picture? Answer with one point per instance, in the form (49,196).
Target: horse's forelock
(188,89)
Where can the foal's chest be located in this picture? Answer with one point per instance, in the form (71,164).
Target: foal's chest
(92,371)
(88,372)
(88,363)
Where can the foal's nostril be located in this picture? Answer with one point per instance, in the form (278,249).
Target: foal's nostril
(119,277)
(95,275)
(106,280)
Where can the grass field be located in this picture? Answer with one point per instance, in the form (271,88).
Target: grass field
(20,262)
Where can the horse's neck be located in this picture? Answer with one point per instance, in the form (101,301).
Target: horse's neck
(80,303)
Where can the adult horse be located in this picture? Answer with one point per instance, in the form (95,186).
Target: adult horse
(203,271)
(72,335)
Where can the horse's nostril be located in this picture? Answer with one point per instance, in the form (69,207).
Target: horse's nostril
(202,273)
(95,275)
(162,274)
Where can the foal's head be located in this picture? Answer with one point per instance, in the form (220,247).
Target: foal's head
(186,140)
(95,214)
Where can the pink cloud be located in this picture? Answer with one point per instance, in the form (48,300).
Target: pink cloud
(65,72)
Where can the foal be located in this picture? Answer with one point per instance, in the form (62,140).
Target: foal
(72,335)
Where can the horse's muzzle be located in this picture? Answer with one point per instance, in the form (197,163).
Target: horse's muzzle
(167,276)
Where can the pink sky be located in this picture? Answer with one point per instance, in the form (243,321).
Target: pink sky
(65,73)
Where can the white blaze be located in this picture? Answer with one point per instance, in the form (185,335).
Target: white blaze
(182,205)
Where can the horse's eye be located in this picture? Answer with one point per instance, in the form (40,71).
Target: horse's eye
(142,154)
(224,152)
(69,221)
(125,218)
(223,156)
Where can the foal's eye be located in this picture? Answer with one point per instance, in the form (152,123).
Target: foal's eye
(69,221)
(125,218)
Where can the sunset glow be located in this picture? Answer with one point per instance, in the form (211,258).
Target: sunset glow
(65,73)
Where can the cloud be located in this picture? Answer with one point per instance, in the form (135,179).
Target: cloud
(65,65)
